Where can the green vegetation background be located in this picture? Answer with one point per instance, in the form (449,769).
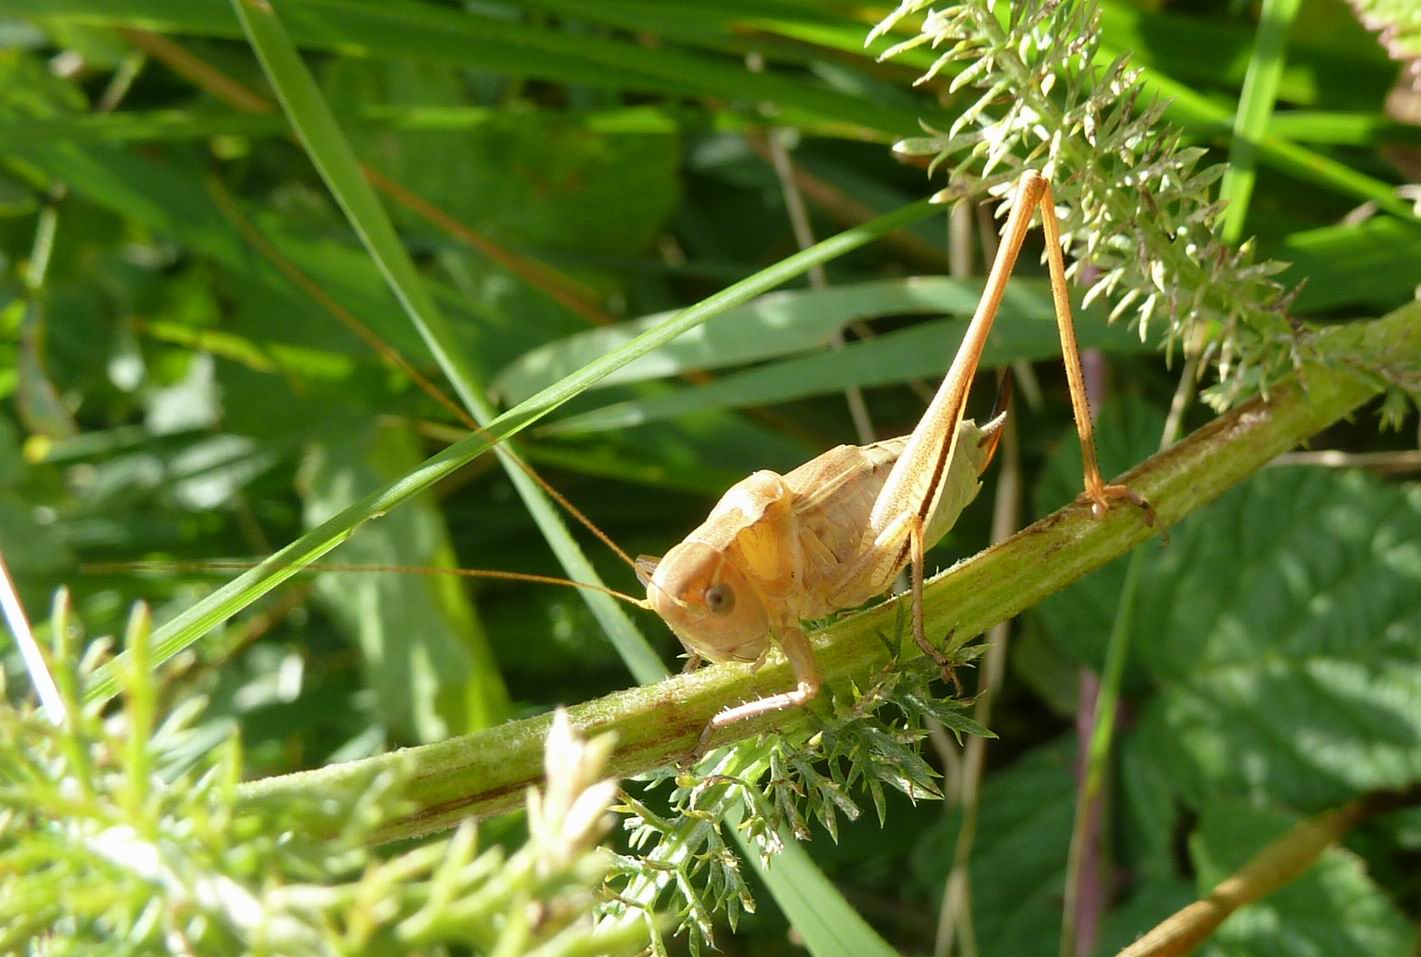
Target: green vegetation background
(169,396)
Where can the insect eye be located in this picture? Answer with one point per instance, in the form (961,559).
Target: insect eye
(720,599)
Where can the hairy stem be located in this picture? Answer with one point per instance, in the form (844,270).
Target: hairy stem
(487,772)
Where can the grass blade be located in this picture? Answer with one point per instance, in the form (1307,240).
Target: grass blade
(921,351)
(509,47)
(768,328)
(1255,106)
(811,902)
(330,151)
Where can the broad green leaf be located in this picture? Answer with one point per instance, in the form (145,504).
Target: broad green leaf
(923,351)
(1019,855)
(1301,589)
(1335,908)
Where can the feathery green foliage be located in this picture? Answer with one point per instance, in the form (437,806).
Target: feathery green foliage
(122,834)
(169,393)
(1398,26)
(1138,217)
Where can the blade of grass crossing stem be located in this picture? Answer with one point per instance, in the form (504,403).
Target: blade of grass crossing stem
(811,902)
(194,622)
(1255,106)
(330,151)
(1098,750)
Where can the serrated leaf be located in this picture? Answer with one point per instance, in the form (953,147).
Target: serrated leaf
(948,713)
(1282,627)
(1019,858)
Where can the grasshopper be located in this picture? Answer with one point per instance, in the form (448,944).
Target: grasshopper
(778,550)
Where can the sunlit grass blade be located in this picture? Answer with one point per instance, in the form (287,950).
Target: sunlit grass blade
(1342,129)
(813,905)
(922,351)
(329,150)
(1255,105)
(768,328)
(168,126)
(505,46)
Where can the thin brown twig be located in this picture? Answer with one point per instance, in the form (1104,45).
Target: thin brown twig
(847,210)
(784,168)
(197,71)
(1400,462)
(574,296)
(1280,863)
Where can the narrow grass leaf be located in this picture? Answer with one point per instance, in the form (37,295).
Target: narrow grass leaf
(520,48)
(1255,106)
(923,351)
(829,925)
(772,326)
(311,116)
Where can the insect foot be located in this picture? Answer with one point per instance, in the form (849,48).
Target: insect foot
(1101,498)
(803,693)
(942,660)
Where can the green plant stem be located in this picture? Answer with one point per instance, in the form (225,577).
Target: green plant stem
(487,772)
(1107,701)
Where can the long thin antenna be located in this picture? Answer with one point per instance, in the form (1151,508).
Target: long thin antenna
(230,565)
(291,271)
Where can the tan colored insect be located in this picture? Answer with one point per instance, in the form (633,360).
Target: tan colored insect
(779,550)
